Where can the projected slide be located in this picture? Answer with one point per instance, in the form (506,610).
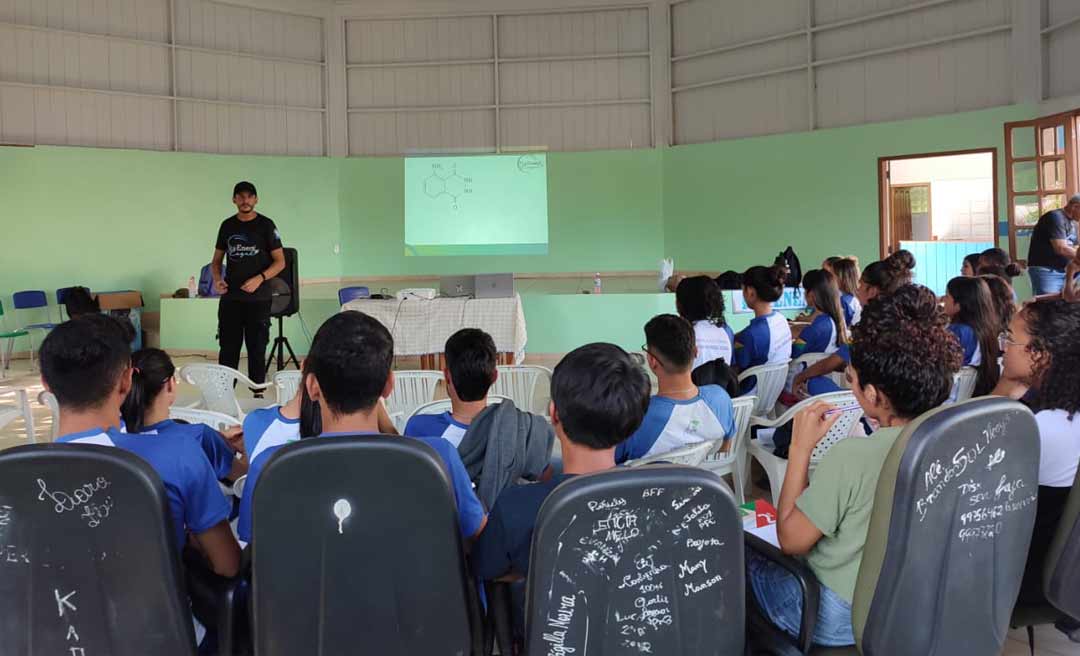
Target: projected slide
(476,205)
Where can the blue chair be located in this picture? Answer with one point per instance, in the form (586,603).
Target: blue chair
(61,302)
(33,300)
(346,294)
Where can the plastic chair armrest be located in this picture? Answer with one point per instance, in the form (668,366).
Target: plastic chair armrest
(808,583)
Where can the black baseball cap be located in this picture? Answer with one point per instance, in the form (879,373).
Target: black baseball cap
(244,187)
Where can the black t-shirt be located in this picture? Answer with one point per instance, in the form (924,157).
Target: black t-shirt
(1052,225)
(247,246)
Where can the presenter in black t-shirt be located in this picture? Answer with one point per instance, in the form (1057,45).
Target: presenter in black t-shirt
(1053,246)
(252,245)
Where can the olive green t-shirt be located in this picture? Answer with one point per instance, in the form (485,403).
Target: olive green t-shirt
(839,501)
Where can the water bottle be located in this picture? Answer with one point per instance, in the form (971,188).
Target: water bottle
(192,287)
(596,284)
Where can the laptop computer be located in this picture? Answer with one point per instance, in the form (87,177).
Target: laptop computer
(457,286)
(495,285)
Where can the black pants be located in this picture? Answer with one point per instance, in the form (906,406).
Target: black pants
(248,323)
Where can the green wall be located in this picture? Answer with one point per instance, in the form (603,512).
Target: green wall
(604,208)
(116,219)
(733,204)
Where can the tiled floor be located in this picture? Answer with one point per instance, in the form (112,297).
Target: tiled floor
(1048,641)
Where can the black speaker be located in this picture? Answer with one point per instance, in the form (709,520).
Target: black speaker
(285,287)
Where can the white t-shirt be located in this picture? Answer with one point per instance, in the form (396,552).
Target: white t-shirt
(712,342)
(1060,438)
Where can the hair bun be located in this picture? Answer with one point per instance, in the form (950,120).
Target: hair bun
(778,274)
(1013,270)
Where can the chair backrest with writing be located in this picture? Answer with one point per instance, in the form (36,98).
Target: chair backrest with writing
(88,563)
(648,560)
(949,534)
(1062,579)
(356,549)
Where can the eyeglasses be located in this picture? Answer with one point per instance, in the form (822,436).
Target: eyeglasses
(1005,341)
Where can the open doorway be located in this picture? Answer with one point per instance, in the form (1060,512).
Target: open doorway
(940,206)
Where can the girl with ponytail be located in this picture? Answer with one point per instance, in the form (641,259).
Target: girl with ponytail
(767,340)
(146,412)
(827,329)
(846,270)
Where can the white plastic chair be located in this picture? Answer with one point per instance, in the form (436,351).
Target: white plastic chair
(776,467)
(411,389)
(692,455)
(441,406)
(48,399)
(9,412)
(519,382)
(286,384)
(216,383)
(215,420)
(769,385)
(963,384)
(734,460)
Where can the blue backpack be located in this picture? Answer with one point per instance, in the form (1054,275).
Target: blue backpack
(206,282)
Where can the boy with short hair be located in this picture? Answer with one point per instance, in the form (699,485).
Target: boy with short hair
(681,413)
(470,371)
(348,371)
(86,364)
(598,398)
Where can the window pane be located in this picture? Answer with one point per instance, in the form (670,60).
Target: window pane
(1053,202)
(1023,141)
(920,199)
(1053,174)
(1053,140)
(1025,176)
(1026,210)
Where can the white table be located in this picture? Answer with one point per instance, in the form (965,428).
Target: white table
(421,326)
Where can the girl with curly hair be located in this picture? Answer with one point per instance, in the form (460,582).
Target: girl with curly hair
(903,358)
(1042,368)
(699,300)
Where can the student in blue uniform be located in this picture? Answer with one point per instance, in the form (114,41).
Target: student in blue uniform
(846,271)
(598,398)
(471,370)
(146,412)
(681,413)
(347,372)
(767,340)
(86,363)
(976,324)
(881,278)
(698,299)
(827,329)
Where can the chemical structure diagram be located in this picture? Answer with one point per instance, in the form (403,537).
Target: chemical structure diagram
(447,181)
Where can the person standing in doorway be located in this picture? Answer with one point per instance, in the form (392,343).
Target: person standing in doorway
(252,244)
(1053,246)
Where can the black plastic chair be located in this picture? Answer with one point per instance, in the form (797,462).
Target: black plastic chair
(89,561)
(1060,574)
(948,537)
(648,560)
(356,549)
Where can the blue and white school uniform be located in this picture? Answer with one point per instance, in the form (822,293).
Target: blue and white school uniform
(671,424)
(196,502)
(852,309)
(267,427)
(209,440)
(713,342)
(969,341)
(470,510)
(818,337)
(767,340)
(442,425)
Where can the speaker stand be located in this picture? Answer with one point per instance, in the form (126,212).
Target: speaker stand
(278,348)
